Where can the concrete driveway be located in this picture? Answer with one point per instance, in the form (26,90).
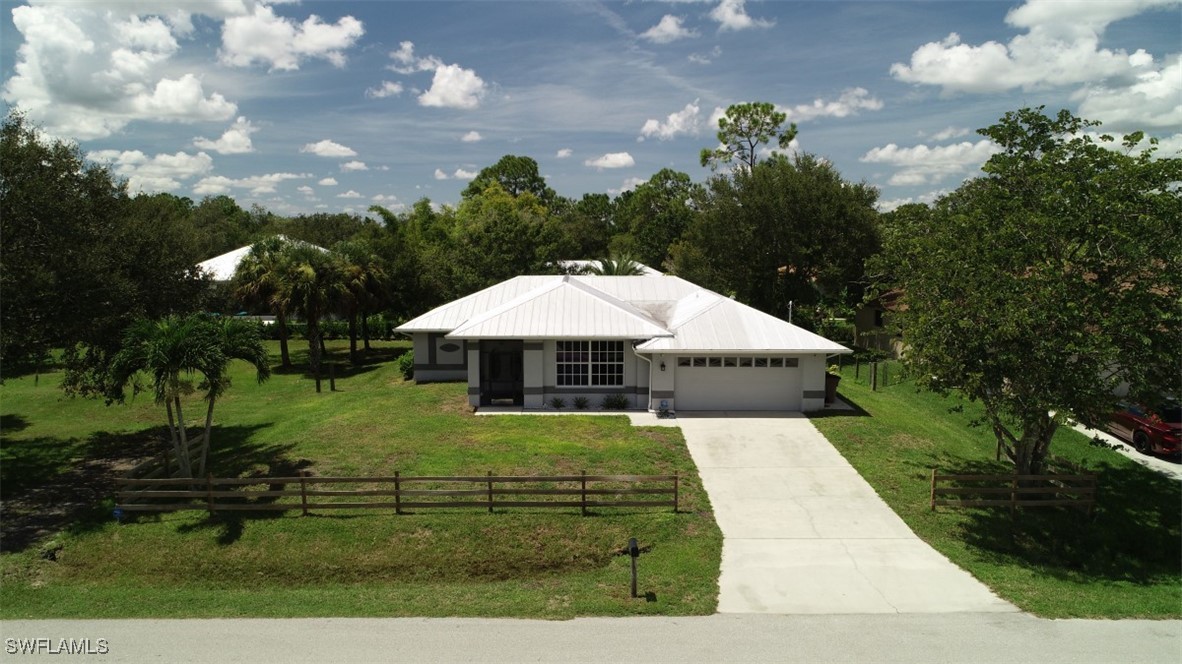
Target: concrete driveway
(804,533)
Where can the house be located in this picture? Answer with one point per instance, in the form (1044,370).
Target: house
(660,341)
(872,324)
(222,268)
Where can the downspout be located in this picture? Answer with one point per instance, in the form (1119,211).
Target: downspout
(648,406)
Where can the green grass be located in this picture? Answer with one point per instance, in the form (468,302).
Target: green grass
(520,562)
(1124,562)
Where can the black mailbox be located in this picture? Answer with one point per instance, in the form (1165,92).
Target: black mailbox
(633,548)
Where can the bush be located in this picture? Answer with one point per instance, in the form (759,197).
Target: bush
(614,402)
(558,403)
(406,365)
(582,402)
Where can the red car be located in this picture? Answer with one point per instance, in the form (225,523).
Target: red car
(1150,430)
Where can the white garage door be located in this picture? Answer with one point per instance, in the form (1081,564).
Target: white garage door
(737,383)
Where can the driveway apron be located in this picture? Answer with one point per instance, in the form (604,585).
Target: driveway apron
(804,533)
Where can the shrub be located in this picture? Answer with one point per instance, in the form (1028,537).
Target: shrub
(582,403)
(614,402)
(406,365)
(558,403)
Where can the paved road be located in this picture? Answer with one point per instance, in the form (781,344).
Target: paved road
(803,533)
(1012,638)
(1170,469)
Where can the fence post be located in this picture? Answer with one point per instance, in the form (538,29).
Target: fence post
(583,493)
(332,376)
(857,368)
(304,492)
(397,494)
(209,492)
(886,374)
(675,487)
(873,376)
(1013,495)
(933,489)
(490,494)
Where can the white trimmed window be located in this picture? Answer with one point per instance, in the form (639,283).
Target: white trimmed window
(590,363)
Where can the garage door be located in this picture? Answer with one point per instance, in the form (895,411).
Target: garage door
(737,383)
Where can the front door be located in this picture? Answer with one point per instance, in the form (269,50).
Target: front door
(501,373)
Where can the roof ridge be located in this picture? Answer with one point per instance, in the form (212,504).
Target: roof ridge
(717,300)
(624,305)
(511,304)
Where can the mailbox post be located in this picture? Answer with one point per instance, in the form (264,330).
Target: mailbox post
(634,553)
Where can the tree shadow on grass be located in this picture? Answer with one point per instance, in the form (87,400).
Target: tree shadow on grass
(51,484)
(1133,535)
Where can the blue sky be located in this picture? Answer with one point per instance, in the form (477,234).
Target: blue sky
(331,106)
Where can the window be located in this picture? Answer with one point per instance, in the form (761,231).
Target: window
(761,361)
(590,363)
(683,361)
(777,362)
(715,361)
(699,361)
(744,361)
(729,361)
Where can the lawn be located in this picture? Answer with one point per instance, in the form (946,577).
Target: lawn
(519,562)
(1123,562)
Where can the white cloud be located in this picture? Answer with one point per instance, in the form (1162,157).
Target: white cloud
(261,36)
(685,121)
(472,137)
(461,174)
(896,203)
(922,164)
(851,101)
(563,153)
(162,172)
(611,160)
(350,194)
(705,58)
(1153,101)
(732,15)
(669,29)
(328,182)
(628,185)
(386,89)
(454,87)
(383,198)
(715,115)
(306,190)
(451,87)
(354,165)
(440,175)
(86,72)
(236,139)
(948,133)
(1060,48)
(327,148)
(256,184)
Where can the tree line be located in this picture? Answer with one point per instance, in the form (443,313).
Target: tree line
(1035,287)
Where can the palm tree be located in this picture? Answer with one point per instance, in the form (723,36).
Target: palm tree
(256,282)
(175,349)
(365,282)
(620,265)
(309,284)
(237,340)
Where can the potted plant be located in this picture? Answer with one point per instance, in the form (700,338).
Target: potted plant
(832,378)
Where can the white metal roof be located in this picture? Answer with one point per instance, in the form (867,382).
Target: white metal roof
(222,268)
(706,322)
(562,309)
(671,313)
(448,317)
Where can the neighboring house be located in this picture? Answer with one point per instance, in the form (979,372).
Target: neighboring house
(222,268)
(872,324)
(661,341)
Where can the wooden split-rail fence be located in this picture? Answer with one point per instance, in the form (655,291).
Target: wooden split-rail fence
(398,493)
(1013,491)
